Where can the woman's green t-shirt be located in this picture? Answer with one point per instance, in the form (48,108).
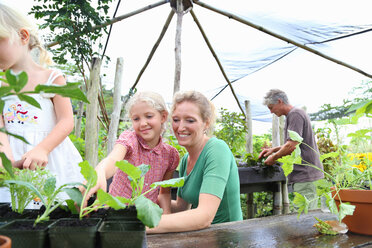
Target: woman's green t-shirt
(215,172)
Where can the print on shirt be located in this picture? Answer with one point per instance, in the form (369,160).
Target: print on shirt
(17,113)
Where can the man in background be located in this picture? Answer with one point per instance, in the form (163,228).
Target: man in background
(302,177)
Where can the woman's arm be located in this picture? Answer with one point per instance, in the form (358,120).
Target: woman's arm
(38,156)
(193,219)
(164,197)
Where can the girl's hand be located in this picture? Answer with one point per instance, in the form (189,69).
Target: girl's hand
(101,184)
(35,157)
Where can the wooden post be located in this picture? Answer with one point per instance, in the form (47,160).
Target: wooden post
(275,131)
(249,136)
(285,198)
(91,126)
(78,117)
(281,129)
(115,116)
(250,206)
(177,73)
(278,202)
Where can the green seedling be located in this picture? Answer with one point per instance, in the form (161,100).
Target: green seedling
(147,211)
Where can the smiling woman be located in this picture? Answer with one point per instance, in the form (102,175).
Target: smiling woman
(211,193)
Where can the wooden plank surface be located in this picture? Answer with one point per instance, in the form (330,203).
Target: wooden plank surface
(273,231)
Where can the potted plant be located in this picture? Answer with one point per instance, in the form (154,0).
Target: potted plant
(142,211)
(5,242)
(347,190)
(23,184)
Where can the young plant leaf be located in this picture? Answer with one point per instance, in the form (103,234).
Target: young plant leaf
(174,182)
(147,211)
(29,99)
(3,130)
(89,174)
(111,201)
(50,186)
(329,155)
(295,136)
(16,81)
(129,169)
(345,209)
(69,90)
(30,186)
(7,164)
(75,195)
(302,203)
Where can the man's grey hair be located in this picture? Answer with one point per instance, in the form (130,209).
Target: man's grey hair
(274,95)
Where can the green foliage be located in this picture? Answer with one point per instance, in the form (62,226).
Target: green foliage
(75,25)
(260,142)
(360,95)
(232,129)
(172,140)
(325,146)
(17,182)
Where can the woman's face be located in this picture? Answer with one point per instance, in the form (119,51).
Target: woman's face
(188,125)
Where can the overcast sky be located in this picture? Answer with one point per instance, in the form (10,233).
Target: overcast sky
(309,80)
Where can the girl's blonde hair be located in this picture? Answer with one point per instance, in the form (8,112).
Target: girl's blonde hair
(153,99)
(11,22)
(206,107)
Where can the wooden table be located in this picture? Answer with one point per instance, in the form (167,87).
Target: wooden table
(273,231)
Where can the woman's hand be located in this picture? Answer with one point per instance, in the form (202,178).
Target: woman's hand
(35,157)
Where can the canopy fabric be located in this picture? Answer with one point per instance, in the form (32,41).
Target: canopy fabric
(242,50)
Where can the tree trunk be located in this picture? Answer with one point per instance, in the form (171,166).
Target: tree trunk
(115,116)
(78,118)
(177,73)
(91,126)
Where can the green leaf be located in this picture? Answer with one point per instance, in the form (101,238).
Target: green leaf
(29,100)
(30,186)
(129,169)
(111,201)
(345,209)
(3,130)
(75,195)
(7,164)
(88,173)
(144,169)
(148,212)
(16,81)
(4,90)
(329,155)
(174,182)
(50,186)
(70,90)
(302,203)
(71,206)
(295,136)
(287,164)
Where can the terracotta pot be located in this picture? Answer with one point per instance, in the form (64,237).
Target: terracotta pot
(5,242)
(361,221)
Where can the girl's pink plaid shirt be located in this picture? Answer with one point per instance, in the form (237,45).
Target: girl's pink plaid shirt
(162,158)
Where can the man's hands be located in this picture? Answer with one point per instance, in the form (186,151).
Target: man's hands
(268,153)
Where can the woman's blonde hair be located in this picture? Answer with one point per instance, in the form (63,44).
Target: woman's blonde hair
(151,98)
(206,107)
(11,22)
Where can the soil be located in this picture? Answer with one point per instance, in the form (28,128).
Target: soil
(27,225)
(77,222)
